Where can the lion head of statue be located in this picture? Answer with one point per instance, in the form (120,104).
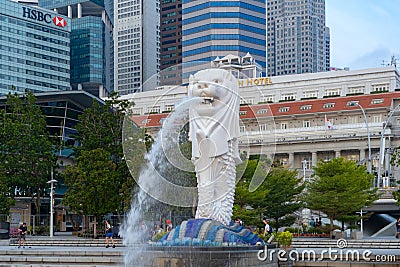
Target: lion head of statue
(215,86)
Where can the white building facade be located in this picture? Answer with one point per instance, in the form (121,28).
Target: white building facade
(299,120)
(277,89)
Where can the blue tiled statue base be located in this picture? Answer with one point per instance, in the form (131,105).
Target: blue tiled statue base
(207,232)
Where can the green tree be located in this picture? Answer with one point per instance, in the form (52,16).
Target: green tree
(101,126)
(340,188)
(5,200)
(395,160)
(246,205)
(283,198)
(27,152)
(92,184)
(396,195)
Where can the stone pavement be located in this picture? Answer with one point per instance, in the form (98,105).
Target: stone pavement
(73,251)
(60,251)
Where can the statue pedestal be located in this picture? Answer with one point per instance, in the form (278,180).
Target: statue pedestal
(204,256)
(209,233)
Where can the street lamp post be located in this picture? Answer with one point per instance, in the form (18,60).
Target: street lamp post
(369,166)
(381,150)
(51,182)
(361,212)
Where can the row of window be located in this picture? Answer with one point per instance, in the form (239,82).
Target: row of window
(40,28)
(331,105)
(264,127)
(236,48)
(223,15)
(212,4)
(163,2)
(329,92)
(29,53)
(211,26)
(44,38)
(264,2)
(309,124)
(24,43)
(125,3)
(34,73)
(128,15)
(211,37)
(32,63)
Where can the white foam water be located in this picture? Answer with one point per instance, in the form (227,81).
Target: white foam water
(153,187)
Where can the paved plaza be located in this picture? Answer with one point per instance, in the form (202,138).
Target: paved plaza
(76,251)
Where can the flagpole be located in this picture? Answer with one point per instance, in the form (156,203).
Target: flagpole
(368,136)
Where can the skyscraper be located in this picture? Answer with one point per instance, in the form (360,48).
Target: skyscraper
(137,45)
(91,43)
(218,28)
(171,42)
(34,49)
(297,38)
(27,2)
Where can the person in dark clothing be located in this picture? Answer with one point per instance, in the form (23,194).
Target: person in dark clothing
(398,228)
(22,231)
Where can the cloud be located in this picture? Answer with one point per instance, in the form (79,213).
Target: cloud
(363,32)
(373,59)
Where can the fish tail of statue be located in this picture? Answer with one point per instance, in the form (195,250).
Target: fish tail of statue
(216,198)
(223,211)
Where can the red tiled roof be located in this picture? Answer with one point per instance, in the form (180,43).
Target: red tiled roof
(317,106)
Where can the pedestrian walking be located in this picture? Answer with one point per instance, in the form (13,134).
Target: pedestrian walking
(267,227)
(109,234)
(398,228)
(22,231)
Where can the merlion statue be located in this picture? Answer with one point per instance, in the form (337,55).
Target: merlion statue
(214,130)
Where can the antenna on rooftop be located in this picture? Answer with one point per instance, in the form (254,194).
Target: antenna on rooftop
(393,61)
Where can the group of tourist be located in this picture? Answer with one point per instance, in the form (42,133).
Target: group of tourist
(267,227)
(315,223)
(149,233)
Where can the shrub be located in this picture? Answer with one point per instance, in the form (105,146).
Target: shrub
(294,230)
(42,230)
(158,236)
(284,238)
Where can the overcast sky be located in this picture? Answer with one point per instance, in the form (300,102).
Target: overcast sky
(363,32)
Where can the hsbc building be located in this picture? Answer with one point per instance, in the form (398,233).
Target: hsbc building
(34,49)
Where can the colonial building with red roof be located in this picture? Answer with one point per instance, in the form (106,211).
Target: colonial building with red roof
(301,119)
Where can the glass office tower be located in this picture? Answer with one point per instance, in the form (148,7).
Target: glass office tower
(212,29)
(34,49)
(91,43)
(170,42)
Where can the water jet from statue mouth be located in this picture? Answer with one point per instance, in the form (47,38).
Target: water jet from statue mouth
(208,100)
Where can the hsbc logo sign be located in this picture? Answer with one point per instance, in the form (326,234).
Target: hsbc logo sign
(59,21)
(45,17)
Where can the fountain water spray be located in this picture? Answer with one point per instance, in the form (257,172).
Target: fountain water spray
(153,186)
